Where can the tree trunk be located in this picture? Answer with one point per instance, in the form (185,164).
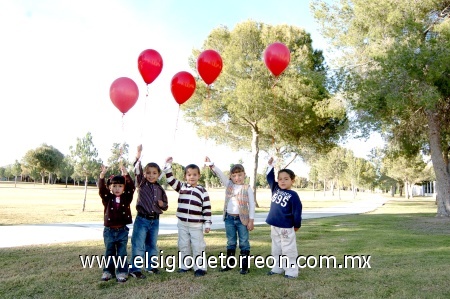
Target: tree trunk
(440,168)
(392,190)
(339,190)
(67,178)
(15,181)
(324,188)
(43,178)
(332,187)
(314,190)
(255,154)
(85,192)
(405,183)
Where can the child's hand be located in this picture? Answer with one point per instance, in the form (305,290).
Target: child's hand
(296,228)
(103,172)
(207,159)
(160,203)
(270,161)
(251,225)
(207,230)
(169,160)
(139,151)
(124,170)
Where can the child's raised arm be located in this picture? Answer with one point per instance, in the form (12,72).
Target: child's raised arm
(171,180)
(223,178)
(271,175)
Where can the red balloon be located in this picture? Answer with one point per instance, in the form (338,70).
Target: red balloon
(124,93)
(150,65)
(182,86)
(277,58)
(209,65)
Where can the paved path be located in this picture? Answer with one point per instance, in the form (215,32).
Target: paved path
(23,235)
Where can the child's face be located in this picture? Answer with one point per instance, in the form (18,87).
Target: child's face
(117,189)
(192,176)
(285,181)
(238,178)
(151,174)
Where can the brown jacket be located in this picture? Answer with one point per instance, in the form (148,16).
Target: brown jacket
(113,215)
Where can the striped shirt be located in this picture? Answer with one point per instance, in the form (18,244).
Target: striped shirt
(194,205)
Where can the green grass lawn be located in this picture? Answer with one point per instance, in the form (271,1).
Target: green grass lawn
(409,258)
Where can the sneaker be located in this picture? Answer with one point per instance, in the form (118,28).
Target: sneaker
(153,271)
(244,271)
(122,277)
(288,276)
(181,270)
(199,272)
(106,276)
(272,273)
(137,275)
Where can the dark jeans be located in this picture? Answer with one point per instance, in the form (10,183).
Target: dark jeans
(143,240)
(116,246)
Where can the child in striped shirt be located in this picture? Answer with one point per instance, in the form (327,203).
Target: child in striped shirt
(193,213)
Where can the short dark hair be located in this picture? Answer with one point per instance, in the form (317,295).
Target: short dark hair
(154,165)
(115,179)
(191,166)
(289,172)
(236,168)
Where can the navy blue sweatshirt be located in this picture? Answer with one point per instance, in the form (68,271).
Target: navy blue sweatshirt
(286,207)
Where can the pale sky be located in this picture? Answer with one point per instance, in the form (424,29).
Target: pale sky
(59,57)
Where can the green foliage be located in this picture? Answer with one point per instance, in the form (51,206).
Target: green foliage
(405,169)
(119,156)
(394,70)
(16,169)
(65,169)
(43,160)
(84,156)
(178,171)
(247,108)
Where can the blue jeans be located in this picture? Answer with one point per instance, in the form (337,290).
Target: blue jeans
(234,228)
(116,246)
(143,242)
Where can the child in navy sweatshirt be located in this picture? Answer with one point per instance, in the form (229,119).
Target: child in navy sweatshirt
(285,217)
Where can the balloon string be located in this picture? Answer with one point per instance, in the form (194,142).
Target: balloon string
(207,110)
(274,106)
(123,138)
(176,124)
(145,112)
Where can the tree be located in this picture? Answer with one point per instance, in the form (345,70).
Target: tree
(86,163)
(337,166)
(45,159)
(65,169)
(313,178)
(2,172)
(247,108)
(16,170)
(8,172)
(409,171)
(394,71)
(119,156)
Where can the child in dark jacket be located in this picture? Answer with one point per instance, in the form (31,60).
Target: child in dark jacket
(117,195)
